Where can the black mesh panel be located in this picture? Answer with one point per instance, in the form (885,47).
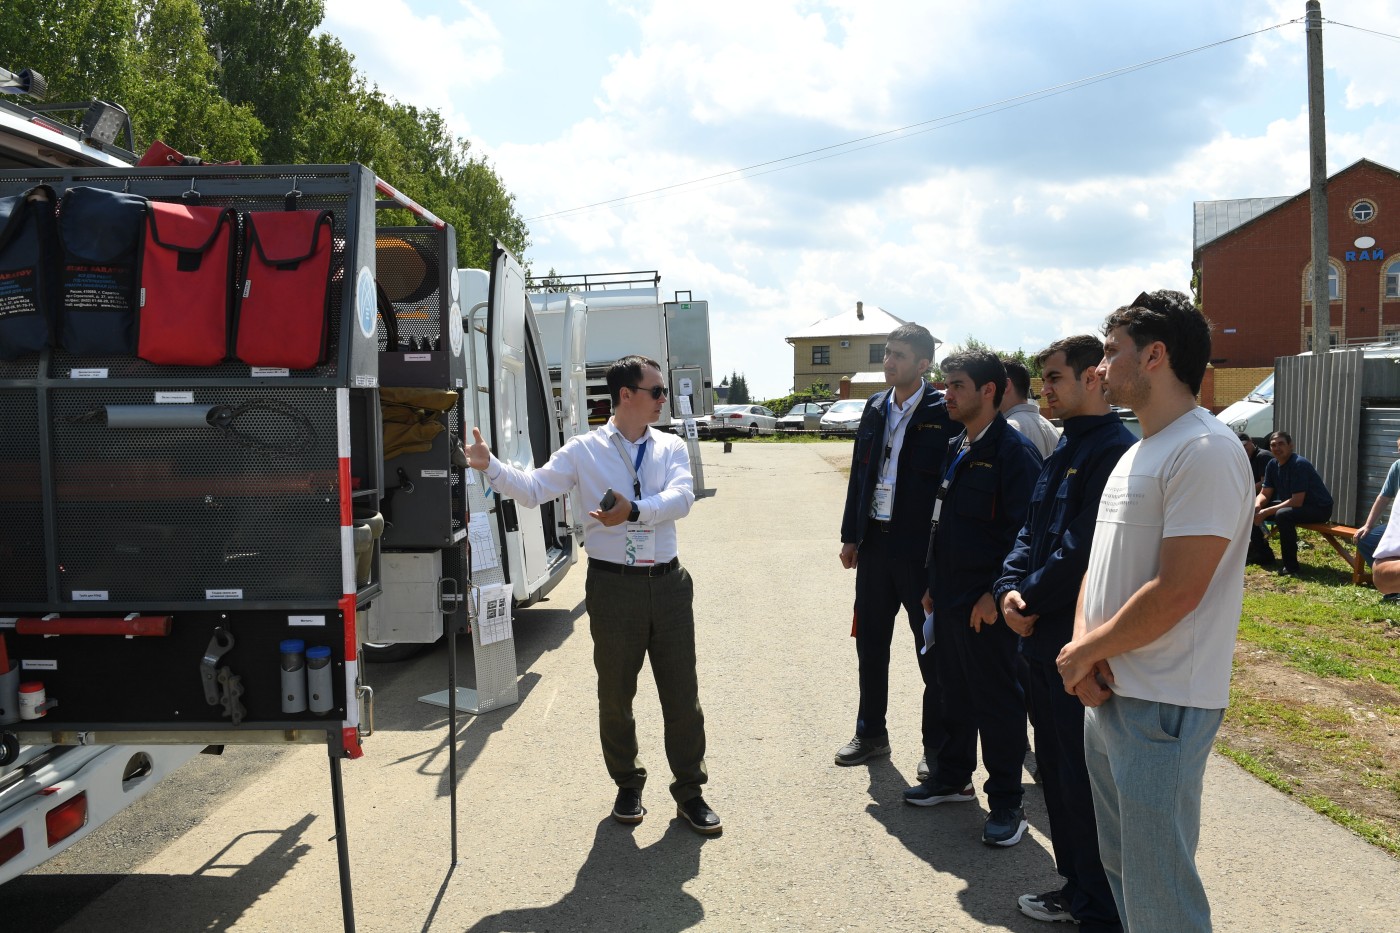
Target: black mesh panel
(22,576)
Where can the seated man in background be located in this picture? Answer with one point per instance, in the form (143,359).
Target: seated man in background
(1259,460)
(1368,536)
(1293,494)
(1385,565)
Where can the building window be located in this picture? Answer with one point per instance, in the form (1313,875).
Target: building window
(1363,211)
(821,356)
(877,353)
(1332,276)
(1334,338)
(1392,279)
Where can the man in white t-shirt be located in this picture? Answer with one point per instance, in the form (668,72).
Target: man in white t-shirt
(1158,613)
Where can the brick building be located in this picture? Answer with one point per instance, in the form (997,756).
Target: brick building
(1253,261)
(846,352)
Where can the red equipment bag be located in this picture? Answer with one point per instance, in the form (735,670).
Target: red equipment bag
(187,274)
(284,305)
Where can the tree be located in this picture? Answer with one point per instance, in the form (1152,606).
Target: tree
(738,390)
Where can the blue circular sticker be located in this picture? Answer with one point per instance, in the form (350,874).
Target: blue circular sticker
(365,301)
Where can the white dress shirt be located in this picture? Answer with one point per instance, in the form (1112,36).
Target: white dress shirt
(594,464)
(1027,419)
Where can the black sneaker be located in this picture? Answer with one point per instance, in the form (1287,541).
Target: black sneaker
(1004,827)
(862,748)
(628,806)
(699,815)
(930,795)
(1391,598)
(1050,907)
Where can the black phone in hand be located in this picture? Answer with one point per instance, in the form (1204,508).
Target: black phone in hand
(608,501)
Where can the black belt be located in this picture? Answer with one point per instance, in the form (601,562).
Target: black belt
(878,525)
(644,570)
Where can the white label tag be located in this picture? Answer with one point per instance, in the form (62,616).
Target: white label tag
(247,284)
(366,382)
(143,297)
(223,594)
(417,357)
(87,373)
(433,474)
(174,398)
(459,383)
(38,665)
(306,620)
(89,595)
(267,371)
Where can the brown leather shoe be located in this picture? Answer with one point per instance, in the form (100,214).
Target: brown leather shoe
(699,815)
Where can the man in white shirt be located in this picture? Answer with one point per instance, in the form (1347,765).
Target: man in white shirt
(1155,627)
(639,597)
(1024,415)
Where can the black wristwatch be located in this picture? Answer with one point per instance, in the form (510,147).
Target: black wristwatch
(635,514)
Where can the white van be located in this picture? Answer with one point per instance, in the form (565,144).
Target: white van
(1253,414)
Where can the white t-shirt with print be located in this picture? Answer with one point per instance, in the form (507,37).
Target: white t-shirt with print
(1191,478)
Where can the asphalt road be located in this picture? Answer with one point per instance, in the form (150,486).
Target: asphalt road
(246,842)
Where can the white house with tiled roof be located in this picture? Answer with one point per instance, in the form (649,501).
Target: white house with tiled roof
(845,352)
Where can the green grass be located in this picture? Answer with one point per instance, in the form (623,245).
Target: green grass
(1372,832)
(1320,622)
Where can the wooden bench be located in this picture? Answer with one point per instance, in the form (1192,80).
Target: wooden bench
(1342,539)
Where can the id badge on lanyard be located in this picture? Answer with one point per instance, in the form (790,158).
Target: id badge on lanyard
(882,503)
(640,550)
(943,489)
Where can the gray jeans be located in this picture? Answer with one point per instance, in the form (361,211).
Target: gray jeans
(632,618)
(1147,762)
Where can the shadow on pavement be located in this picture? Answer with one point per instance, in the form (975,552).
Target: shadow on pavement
(948,837)
(620,887)
(214,897)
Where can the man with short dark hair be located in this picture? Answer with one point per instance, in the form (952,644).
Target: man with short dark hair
(1021,413)
(639,597)
(1154,629)
(981,504)
(1037,592)
(1292,494)
(897,457)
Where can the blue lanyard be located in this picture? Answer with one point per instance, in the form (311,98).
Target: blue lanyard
(953,467)
(637,464)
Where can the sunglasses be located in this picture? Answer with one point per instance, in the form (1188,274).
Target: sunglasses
(656,392)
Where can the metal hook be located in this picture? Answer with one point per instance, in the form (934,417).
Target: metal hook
(294,193)
(192,190)
(126,185)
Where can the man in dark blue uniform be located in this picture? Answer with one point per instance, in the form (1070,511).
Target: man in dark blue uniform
(982,501)
(1292,495)
(1037,592)
(895,468)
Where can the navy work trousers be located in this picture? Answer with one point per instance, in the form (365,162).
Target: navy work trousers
(889,576)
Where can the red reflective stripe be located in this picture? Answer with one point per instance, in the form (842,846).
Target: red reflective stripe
(345,510)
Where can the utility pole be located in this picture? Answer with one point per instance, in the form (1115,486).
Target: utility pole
(1317,158)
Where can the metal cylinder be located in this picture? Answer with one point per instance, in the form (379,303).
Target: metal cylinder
(158,416)
(320,695)
(293,675)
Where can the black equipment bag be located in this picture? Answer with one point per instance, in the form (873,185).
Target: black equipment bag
(100,279)
(27,251)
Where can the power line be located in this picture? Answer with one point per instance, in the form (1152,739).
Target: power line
(1363,29)
(899,133)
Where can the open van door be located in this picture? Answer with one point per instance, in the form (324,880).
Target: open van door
(525,431)
(573,371)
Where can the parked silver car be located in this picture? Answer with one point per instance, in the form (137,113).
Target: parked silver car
(804,416)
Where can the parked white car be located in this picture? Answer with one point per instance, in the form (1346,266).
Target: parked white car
(734,420)
(842,418)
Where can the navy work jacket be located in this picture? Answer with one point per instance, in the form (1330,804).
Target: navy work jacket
(983,510)
(1051,554)
(917,476)
(1295,475)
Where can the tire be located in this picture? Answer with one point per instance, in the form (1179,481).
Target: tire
(389,652)
(753,430)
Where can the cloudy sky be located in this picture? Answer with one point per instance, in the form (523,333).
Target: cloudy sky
(1017,223)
